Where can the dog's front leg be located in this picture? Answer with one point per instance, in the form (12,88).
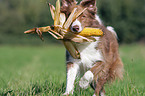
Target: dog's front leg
(72,70)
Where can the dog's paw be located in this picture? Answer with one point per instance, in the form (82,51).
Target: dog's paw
(101,94)
(94,95)
(86,79)
(65,94)
(84,83)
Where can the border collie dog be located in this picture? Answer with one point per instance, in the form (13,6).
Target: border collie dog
(99,61)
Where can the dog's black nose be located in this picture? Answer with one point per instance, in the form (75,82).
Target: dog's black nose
(75,28)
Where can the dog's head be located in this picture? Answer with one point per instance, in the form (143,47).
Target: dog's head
(86,19)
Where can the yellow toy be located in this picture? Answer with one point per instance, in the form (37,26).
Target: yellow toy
(86,32)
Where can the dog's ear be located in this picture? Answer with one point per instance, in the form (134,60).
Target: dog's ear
(66,3)
(88,3)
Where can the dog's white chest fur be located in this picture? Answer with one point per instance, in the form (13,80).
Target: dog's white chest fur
(88,54)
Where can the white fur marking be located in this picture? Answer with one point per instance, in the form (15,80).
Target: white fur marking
(77,22)
(94,95)
(102,94)
(111,29)
(98,19)
(86,79)
(88,53)
(71,75)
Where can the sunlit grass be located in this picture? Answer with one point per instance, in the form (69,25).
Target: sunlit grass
(40,70)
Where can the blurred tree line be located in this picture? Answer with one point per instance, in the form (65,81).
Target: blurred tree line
(16,16)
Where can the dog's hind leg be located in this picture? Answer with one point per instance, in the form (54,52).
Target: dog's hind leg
(99,90)
(99,81)
(93,86)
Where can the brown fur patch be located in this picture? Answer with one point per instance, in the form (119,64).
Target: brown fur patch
(69,65)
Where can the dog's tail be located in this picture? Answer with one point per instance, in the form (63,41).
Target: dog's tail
(116,70)
(111,29)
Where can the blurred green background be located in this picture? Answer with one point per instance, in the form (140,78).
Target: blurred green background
(16,16)
(29,66)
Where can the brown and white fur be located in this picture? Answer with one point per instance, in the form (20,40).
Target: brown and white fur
(99,61)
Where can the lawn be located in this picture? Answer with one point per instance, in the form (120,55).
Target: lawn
(40,70)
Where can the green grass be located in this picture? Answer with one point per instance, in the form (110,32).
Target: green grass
(26,70)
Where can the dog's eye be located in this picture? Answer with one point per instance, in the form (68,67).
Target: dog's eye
(83,16)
